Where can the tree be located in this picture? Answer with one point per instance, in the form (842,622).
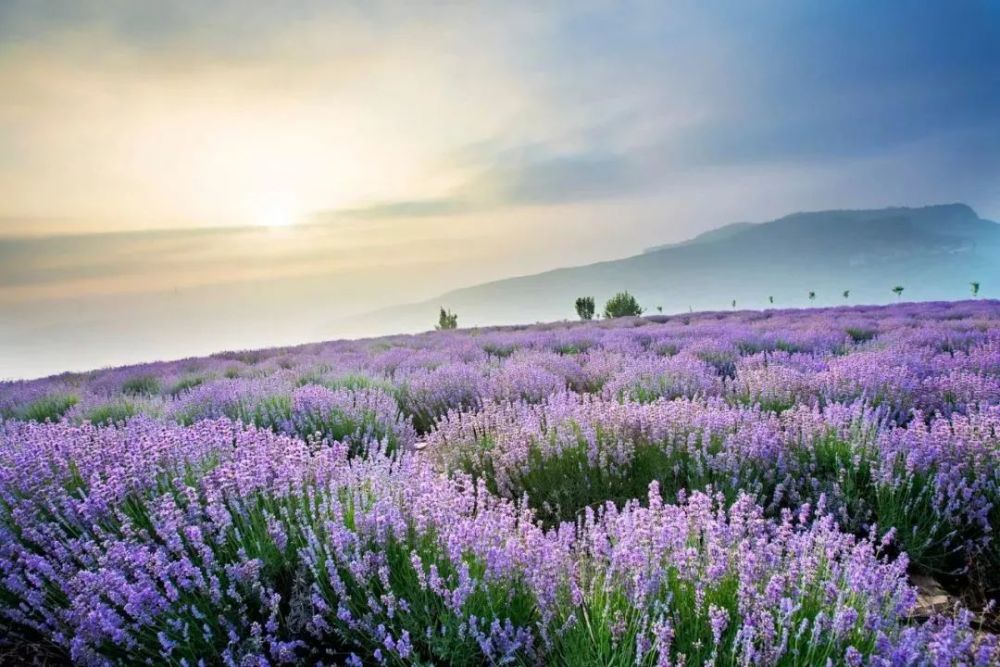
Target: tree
(975,289)
(847,294)
(812,295)
(770,300)
(585,307)
(734,304)
(898,291)
(659,309)
(622,304)
(447,320)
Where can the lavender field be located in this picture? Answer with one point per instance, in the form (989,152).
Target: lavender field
(743,488)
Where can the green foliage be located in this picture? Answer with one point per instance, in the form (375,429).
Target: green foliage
(48,408)
(666,349)
(859,334)
(499,350)
(898,291)
(270,412)
(812,295)
(111,413)
(993,547)
(647,388)
(622,304)
(723,362)
(559,486)
(605,632)
(609,623)
(446,320)
(438,634)
(274,531)
(185,383)
(561,480)
(849,467)
(141,385)
(974,286)
(352,381)
(585,307)
(847,294)
(776,404)
(339,426)
(791,348)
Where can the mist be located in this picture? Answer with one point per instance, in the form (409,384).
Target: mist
(177,178)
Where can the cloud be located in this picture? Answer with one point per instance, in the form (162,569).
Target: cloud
(429,110)
(562,178)
(530,176)
(415,208)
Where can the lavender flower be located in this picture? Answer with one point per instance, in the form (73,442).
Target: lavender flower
(719,488)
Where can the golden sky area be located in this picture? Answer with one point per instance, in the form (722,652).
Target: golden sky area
(113,136)
(385,152)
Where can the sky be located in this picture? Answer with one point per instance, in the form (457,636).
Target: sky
(181,177)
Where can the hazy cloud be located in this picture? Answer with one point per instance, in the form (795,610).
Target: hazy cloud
(433,145)
(195,114)
(415,208)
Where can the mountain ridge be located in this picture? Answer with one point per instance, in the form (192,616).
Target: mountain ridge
(933,251)
(717,234)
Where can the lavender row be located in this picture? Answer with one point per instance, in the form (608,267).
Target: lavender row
(163,544)
(934,358)
(932,486)
(720,488)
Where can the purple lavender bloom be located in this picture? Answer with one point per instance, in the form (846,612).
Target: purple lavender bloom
(716,488)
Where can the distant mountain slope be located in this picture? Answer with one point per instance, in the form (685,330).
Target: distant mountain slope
(718,234)
(933,252)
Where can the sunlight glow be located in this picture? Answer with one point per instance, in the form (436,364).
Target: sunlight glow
(274,210)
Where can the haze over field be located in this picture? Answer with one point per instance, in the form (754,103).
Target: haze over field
(177,178)
(934,253)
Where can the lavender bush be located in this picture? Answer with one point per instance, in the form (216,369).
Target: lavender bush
(716,489)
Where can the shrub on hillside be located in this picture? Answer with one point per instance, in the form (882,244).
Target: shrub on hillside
(622,304)
(585,307)
(447,320)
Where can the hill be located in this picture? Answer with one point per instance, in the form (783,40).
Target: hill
(934,252)
(718,234)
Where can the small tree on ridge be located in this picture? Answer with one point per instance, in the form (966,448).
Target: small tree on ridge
(447,320)
(585,307)
(622,304)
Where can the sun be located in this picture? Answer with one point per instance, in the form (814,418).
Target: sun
(274,210)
